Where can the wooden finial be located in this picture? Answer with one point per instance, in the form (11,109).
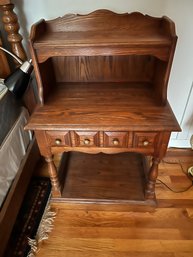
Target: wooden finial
(11,26)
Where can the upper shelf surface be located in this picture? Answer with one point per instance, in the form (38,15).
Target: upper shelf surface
(105,38)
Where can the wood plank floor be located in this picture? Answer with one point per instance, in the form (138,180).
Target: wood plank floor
(94,230)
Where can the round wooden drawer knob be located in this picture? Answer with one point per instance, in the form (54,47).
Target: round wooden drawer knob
(86,141)
(115,141)
(145,143)
(58,141)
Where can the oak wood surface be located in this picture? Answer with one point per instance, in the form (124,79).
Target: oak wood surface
(104,178)
(121,230)
(102,85)
(134,68)
(90,45)
(98,106)
(101,34)
(133,31)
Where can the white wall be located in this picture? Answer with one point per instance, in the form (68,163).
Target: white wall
(49,9)
(181,79)
(180,11)
(32,11)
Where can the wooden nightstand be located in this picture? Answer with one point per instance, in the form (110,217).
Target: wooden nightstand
(102,84)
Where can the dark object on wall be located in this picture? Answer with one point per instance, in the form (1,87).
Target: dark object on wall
(17,81)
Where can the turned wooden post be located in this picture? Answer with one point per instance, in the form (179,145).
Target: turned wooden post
(4,66)
(11,26)
(160,151)
(56,192)
(47,154)
(152,176)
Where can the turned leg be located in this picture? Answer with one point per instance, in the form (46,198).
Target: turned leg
(11,26)
(152,176)
(56,192)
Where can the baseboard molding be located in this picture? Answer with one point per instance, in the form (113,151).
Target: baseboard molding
(179,143)
(179,154)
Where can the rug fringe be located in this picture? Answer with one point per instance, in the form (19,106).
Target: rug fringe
(45,227)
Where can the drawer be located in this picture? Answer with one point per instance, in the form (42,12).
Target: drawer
(58,138)
(115,139)
(87,138)
(145,139)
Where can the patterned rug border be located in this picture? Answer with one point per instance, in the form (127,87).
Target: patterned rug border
(29,218)
(45,227)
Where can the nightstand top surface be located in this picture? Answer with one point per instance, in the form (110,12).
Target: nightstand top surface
(102,106)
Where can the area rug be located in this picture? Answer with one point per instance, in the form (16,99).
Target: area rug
(29,217)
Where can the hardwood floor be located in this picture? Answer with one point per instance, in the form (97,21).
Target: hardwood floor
(93,230)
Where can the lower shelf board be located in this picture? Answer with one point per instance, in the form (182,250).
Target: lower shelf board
(103,178)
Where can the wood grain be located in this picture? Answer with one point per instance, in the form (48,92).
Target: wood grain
(102,80)
(104,68)
(120,231)
(11,26)
(104,178)
(105,46)
(103,106)
(133,32)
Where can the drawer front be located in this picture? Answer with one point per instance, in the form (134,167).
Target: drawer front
(144,139)
(87,138)
(58,138)
(115,139)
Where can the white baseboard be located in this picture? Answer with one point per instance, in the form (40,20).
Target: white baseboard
(179,143)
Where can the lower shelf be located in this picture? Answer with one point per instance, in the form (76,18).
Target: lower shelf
(102,178)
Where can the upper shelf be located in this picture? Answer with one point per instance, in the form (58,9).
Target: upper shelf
(103,33)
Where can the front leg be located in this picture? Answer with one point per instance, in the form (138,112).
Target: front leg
(56,191)
(152,176)
(159,153)
(45,151)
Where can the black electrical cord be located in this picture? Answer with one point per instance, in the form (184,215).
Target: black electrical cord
(171,189)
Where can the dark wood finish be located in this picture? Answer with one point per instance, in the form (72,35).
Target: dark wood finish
(116,139)
(102,85)
(135,33)
(87,138)
(104,33)
(97,178)
(104,68)
(53,176)
(145,139)
(57,138)
(96,106)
